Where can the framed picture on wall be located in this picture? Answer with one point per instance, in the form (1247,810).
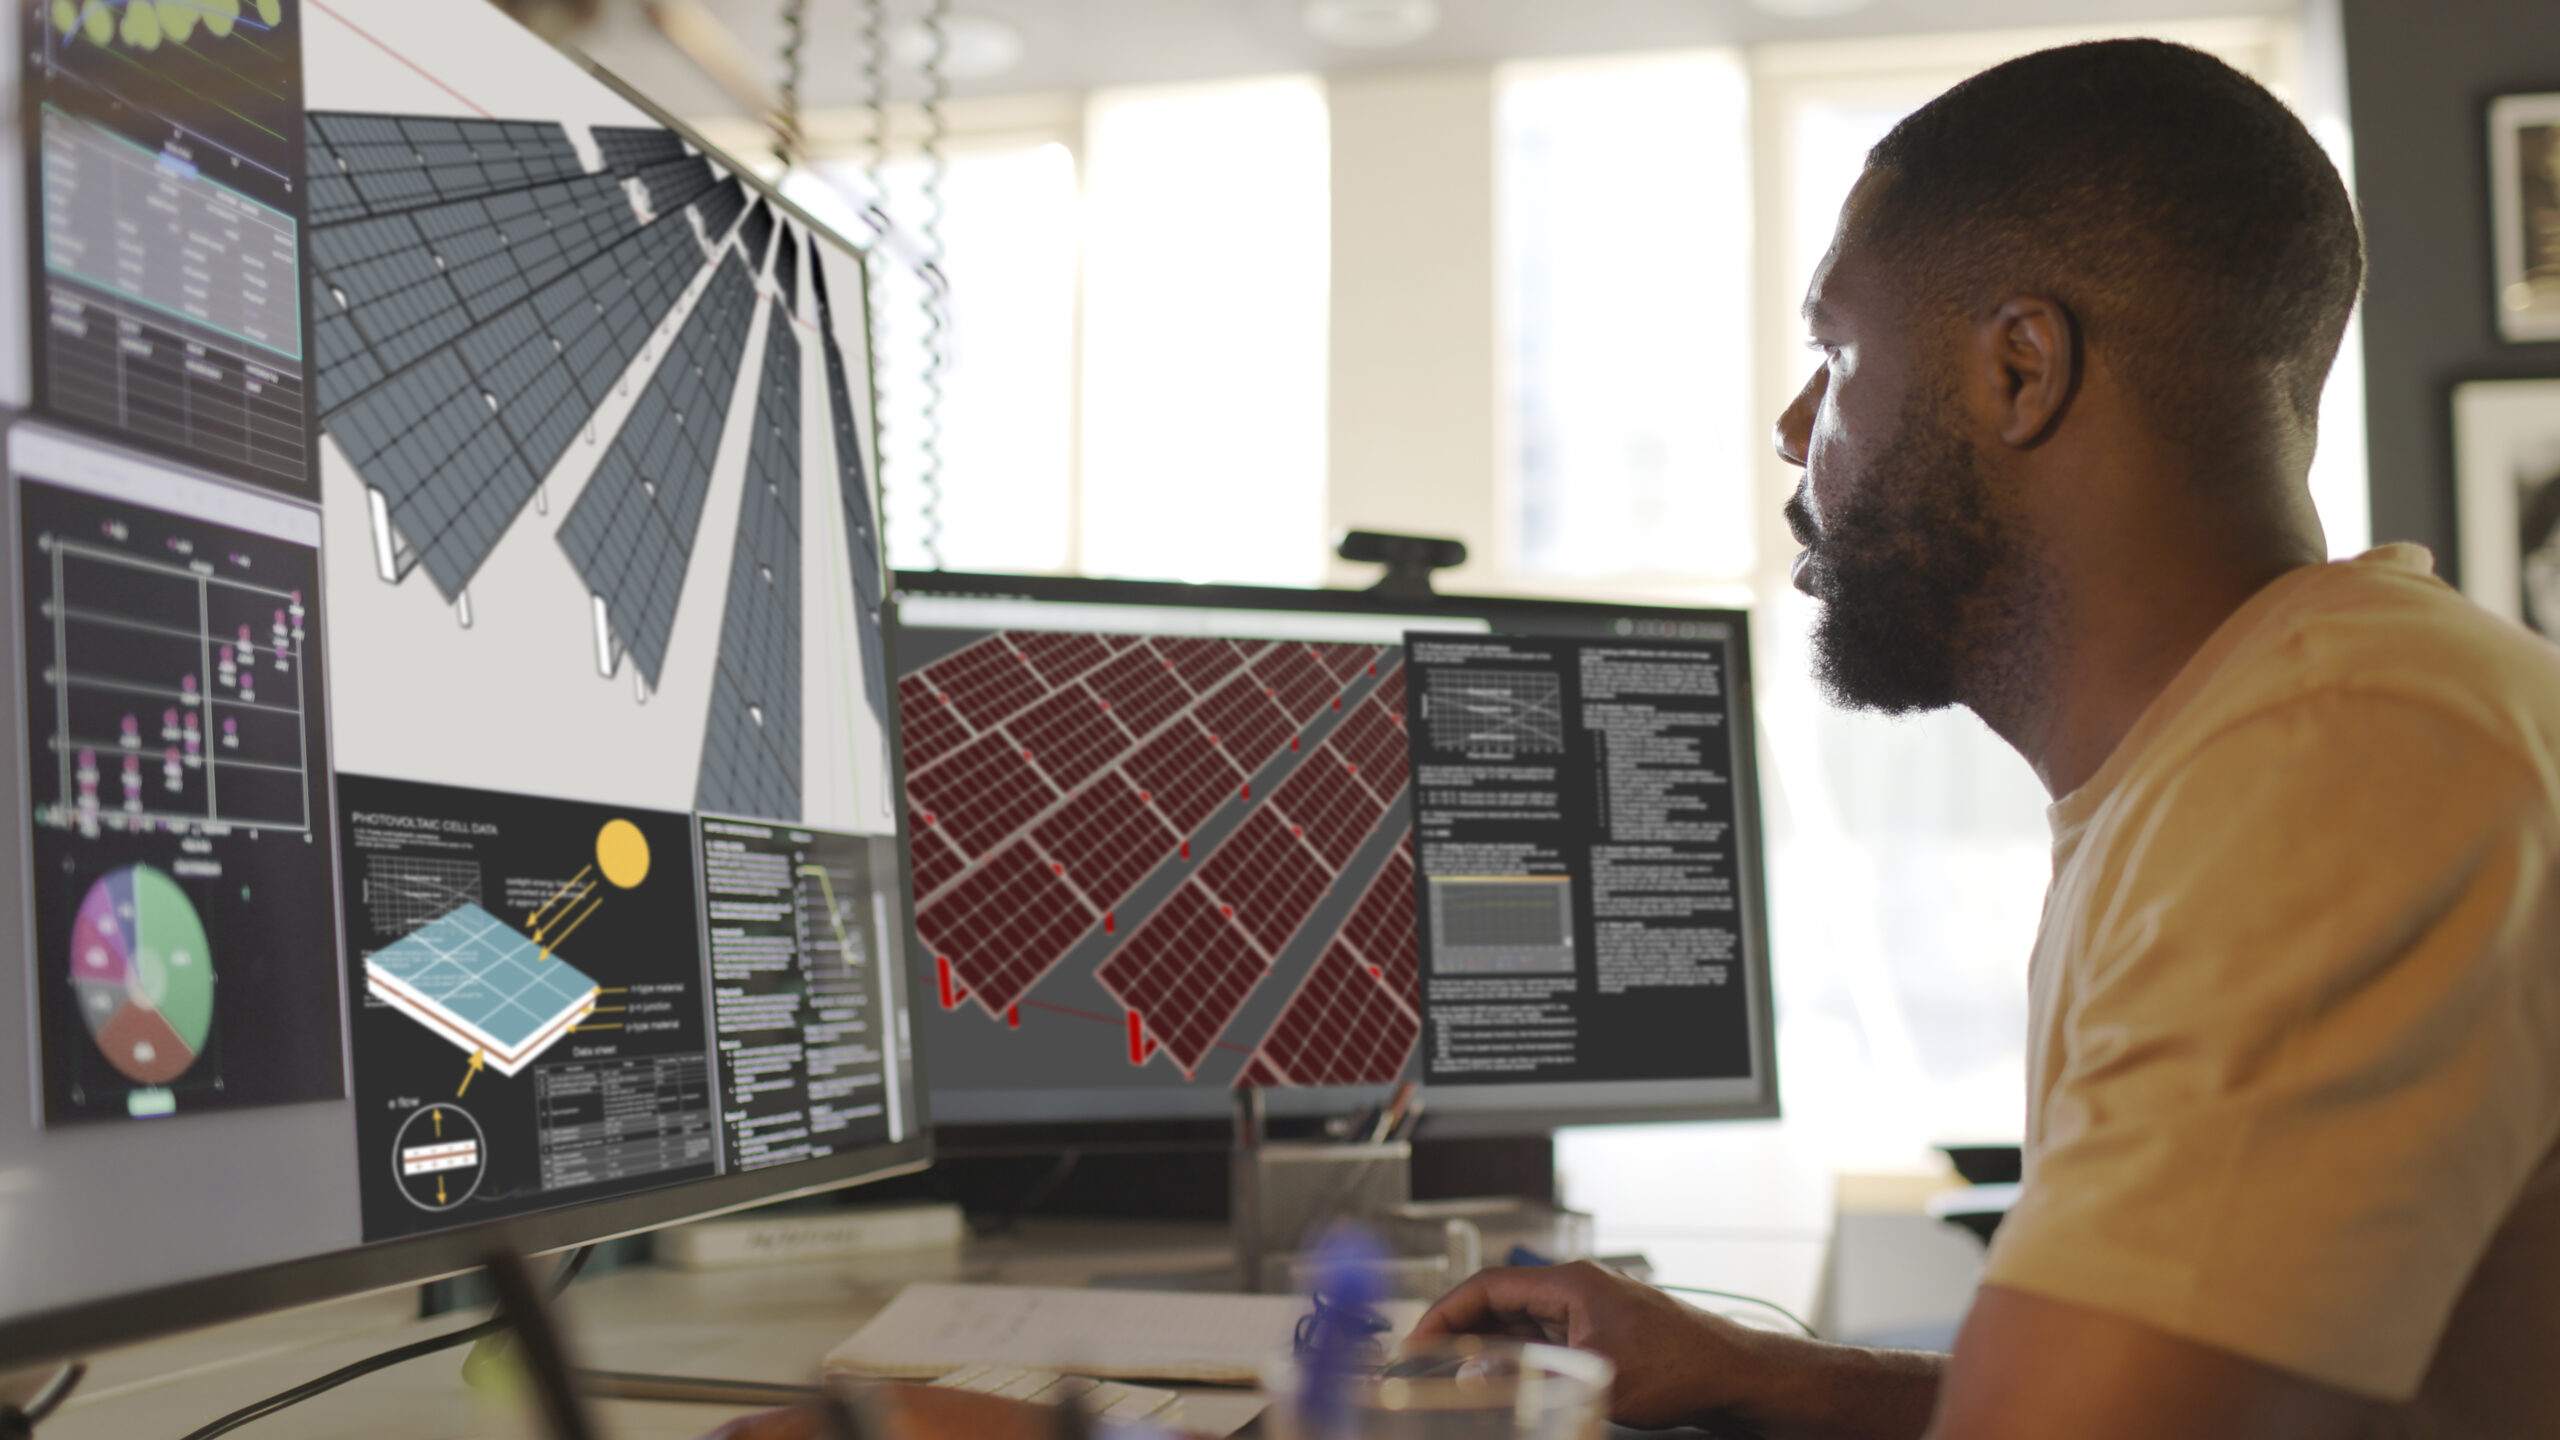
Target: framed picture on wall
(2524,188)
(2506,444)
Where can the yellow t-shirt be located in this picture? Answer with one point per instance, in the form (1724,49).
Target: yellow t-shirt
(2294,1065)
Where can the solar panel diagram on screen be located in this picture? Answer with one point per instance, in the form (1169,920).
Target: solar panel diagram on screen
(1173,813)
(503,303)
(487,987)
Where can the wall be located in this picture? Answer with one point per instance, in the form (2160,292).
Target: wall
(2419,78)
(1413,389)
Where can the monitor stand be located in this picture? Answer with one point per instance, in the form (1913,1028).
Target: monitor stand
(1282,1194)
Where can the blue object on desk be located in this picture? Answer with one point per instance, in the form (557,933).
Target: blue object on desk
(1339,1337)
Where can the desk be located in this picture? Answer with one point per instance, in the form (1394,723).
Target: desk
(770,1324)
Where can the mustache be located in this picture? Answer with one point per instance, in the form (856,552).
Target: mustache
(1800,520)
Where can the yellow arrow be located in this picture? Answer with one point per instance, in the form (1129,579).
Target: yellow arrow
(554,942)
(439,1187)
(437,1114)
(536,917)
(541,930)
(466,1082)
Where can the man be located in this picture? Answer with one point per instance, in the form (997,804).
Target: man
(2294,1067)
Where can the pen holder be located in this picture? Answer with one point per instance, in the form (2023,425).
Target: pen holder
(1282,1193)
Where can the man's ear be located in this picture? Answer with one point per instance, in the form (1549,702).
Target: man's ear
(2028,352)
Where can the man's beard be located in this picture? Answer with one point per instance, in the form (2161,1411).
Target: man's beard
(1929,598)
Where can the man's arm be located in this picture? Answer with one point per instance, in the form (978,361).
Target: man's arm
(2028,1366)
(2025,1366)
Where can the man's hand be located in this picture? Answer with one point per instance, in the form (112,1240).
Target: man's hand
(1678,1365)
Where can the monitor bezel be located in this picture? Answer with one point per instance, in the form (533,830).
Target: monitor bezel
(88,1326)
(1445,1115)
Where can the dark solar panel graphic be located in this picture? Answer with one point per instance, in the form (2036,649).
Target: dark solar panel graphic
(670,185)
(629,149)
(855,488)
(381,164)
(751,748)
(458,438)
(476,296)
(1057,782)
(786,268)
(631,534)
(719,207)
(756,235)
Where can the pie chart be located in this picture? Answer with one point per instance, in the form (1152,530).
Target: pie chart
(144,973)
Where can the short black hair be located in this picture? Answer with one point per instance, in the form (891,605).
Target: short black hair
(2198,233)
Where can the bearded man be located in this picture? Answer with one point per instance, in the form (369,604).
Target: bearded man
(2294,1069)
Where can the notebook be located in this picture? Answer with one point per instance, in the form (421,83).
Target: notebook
(932,1329)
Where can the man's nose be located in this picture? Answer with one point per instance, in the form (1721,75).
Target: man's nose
(1793,434)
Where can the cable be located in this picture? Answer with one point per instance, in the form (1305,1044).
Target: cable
(17,1421)
(937,345)
(259,1410)
(1792,1318)
(787,144)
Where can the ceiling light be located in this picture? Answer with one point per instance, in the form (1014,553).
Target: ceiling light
(1370,24)
(974,47)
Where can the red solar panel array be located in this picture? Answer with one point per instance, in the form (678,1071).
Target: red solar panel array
(1201,663)
(1071,761)
(1332,811)
(1139,689)
(980,795)
(1184,774)
(1070,737)
(1382,929)
(1341,1028)
(1002,927)
(1186,972)
(1245,721)
(935,862)
(1268,878)
(927,729)
(1305,689)
(1354,1019)
(1346,661)
(1374,746)
(986,682)
(1059,656)
(1107,839)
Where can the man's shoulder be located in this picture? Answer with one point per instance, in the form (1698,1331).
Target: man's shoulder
(2382,629)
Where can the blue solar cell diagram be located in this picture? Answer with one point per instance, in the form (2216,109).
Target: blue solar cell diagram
(483,985)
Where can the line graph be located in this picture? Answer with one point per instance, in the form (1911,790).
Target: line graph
(1508,712)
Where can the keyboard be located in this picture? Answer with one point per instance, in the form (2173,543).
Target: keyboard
(1108,1399)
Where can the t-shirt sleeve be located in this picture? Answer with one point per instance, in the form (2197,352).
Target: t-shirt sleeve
(2306,1055)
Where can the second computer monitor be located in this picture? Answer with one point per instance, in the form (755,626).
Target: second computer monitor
(1172,839)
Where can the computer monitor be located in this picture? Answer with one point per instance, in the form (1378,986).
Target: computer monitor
(1173,839)
(453,787)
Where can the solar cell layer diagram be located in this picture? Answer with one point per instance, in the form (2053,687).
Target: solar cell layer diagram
(510,312)
(483,985)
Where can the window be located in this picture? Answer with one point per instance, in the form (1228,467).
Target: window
(1626,255)
(1005,434)
(1204,348)
(1135,331)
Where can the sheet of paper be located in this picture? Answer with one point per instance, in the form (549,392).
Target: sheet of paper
(931,1329)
